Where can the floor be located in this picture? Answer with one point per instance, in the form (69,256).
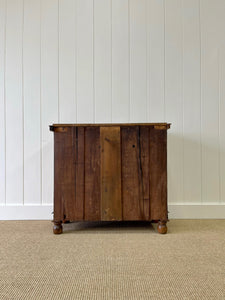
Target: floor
(124,260)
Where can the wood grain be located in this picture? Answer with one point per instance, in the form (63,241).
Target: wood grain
(58,211)
(92,174)
(135,183)
(67,174)
(158,175)
(79,173)
(110,173)
(111,208)
(144,166)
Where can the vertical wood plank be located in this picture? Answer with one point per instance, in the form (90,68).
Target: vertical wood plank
(92,174)
(134,186)
(67,172)
(210,38)
(79,164)
(49,91)
(2,99)
(138,69)
(120,61)
(130,192)
(111,206)
(58,165)
(14,102)
(158,174)
(174,97)
(85,100)
(156,60)
(191,102)
(67,61)
(145,167)
(102,60)
(32,117)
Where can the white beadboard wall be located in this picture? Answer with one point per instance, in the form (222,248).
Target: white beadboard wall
(112,61)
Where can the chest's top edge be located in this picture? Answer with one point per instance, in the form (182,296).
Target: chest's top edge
(154,125)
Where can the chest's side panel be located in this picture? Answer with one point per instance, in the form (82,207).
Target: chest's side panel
(64,174)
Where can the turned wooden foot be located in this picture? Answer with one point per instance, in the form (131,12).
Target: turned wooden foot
(57,227)
(162,228)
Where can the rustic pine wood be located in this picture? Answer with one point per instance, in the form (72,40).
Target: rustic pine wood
(110,172)
(92,174)
(111,207)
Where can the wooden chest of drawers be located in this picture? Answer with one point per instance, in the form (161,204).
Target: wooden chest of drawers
(110,172)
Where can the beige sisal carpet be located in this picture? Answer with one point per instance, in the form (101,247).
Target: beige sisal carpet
(126,260)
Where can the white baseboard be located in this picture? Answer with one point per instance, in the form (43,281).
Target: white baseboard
(196,211)
(176,211)
(26,212)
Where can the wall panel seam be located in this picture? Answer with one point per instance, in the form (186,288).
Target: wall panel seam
(182,93)
(76,39)
(129,91)
(58,64)
(200,53)
(219,133)
(40,15)
(5,91)
(93,57)
(164,54)
(22,71)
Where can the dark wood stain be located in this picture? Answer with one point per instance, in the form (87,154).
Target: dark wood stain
(110,172)
(92,173)
(79,173)
(158,174)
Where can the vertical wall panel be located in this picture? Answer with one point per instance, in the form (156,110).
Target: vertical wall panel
(31,77)
(113,60)
(102,60)
(156,60)
(191,101)
(85,100)
(67,61)
(138,58)
(173,100)
(2,99)
(221,86)
(222,120)
(120,61)
(210,35)
(14,102)
(49,91)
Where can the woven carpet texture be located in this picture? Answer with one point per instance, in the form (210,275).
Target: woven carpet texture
(112,260)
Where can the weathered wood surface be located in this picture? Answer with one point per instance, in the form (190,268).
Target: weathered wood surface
(110,173)
(64,175)
(92,174)
(79,173)
(135,175)
(165,126)
(144,166)
(111,206)
(158,174)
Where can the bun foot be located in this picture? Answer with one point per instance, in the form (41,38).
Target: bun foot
(162,228)
(57,227)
